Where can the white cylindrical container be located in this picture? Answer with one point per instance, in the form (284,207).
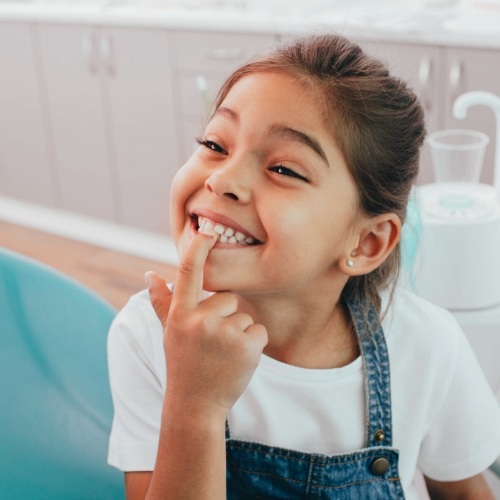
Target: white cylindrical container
(458,263)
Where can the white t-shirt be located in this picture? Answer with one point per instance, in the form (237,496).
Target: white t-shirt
(446,420)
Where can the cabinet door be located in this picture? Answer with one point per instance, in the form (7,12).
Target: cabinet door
(419,65)
(25,170)
(473,69)
(139,88)
(71,69)
(196,95)
(203,60)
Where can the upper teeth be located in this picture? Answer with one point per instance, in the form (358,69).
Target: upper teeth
(225,234)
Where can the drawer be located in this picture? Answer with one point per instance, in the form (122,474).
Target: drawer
(202,51)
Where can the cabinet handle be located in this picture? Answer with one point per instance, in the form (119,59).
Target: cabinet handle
(454,79)
(224,54)
(89,55)
(107,54)
(202,86)
(424,80)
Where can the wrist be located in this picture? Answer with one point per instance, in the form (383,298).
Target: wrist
(180,414)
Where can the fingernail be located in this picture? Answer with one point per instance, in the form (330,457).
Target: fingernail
(148,278)
(214,238)
(207,231)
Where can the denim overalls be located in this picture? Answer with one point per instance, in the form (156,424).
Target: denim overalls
(260,471)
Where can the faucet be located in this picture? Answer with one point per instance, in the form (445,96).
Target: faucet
(479,97)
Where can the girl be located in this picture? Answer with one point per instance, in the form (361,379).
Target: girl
(283,365)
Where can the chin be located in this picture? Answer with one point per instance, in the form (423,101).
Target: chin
(217,284)
(215,280)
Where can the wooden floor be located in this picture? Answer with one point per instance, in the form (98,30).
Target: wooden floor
(113,275)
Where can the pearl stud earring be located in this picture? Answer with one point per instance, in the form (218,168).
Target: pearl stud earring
(350,263)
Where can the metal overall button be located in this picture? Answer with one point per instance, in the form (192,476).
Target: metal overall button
(379,435)
(379,466)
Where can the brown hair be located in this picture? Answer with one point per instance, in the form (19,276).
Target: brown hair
(375,119)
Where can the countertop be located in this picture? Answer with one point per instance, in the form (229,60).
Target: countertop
(470,23)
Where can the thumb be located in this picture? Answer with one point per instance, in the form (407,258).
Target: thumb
(159,295)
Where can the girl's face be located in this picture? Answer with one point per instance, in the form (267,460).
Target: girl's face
(268,174)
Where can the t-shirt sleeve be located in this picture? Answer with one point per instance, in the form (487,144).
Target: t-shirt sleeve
(463,437)
(136,386)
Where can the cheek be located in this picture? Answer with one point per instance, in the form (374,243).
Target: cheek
(176,206)
(184,185)
(315,233)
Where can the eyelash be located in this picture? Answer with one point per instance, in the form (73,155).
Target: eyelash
(213,146)
(279,169)
(282,170)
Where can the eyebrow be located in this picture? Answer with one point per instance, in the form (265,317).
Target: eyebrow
(281,131)
(228,113)
(301,137)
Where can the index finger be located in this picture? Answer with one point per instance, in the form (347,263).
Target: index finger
(189,280)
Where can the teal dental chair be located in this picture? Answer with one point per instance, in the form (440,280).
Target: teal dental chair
(55,402)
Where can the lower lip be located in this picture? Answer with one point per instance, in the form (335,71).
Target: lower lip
(229,246)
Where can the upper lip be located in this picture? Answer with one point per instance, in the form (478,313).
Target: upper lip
(222,219)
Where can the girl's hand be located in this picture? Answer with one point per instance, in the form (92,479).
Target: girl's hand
(212,350)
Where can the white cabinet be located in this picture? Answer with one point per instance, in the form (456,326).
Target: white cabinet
(97,119)
(143,125)
(25,170)
(202,61)
(111,117)
(439,75)
(71,76)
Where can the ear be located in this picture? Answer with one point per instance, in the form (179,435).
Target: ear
(376,239)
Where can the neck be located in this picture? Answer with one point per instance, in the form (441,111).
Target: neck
(313,331)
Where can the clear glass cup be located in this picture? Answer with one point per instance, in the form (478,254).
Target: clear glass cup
(457,154)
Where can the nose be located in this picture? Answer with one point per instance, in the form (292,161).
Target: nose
(231,181)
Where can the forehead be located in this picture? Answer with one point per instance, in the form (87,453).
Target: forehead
(277,92)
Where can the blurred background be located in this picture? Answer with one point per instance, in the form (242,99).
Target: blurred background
(101,102)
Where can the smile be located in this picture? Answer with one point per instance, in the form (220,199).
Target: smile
(225,234)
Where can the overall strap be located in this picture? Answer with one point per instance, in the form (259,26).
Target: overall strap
(377,373)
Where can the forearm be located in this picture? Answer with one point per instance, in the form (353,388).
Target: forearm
(212,350)
(191,459)
(473,488)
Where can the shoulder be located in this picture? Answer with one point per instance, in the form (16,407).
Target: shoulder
(138,311)
(137,380)
(420,322)
(136,328)
(424,342)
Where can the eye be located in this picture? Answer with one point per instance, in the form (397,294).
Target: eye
(211,145)
(282,170)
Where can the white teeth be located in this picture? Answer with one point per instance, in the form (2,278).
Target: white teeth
(219,228)
(226,234)
(206,227)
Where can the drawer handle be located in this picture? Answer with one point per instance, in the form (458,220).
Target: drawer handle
(424,80)
(455,78)
(89,55)
(107,54)
(224,54)
(202,86)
